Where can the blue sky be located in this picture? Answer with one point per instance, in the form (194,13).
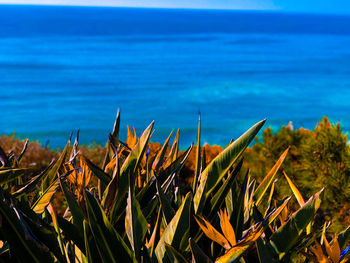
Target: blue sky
(309,6)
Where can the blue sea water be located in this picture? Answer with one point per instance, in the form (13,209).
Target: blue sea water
(64,68)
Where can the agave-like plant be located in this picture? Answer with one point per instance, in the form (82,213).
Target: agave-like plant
(132,208)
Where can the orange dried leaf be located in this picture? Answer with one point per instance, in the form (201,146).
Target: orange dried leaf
(227,228)
(334,250)
(212,233)
(317,250)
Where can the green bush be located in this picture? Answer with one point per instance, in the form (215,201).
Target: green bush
(317,158)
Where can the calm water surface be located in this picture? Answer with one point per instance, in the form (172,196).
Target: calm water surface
(64,68)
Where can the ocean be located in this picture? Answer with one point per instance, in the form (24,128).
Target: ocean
(69,68)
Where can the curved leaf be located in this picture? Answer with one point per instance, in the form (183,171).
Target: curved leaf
(215,171)
(286,236)
(110,244)
(168,211)
(221,194)
(212,233)
(29,186)
(135,224)
(97,171)
(50,175)
(174,255)
(198,255)
(160,156)
(269,178)
(295,190)
(23,245)
(241,247)
(174,231)
(130,166)
(198,157)
(8,175)
(74,208)
(174,149)
(43,201)
(227,228)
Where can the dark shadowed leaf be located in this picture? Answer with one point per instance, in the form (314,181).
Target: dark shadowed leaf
(174,231)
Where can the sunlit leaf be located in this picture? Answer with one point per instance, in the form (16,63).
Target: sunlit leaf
(269,201)
(221,194)
(198,157)
(295,190)
(98,172)
(174,231)
(130,166)
(241,247)
(40,204)
(317,250)
(135,224)
(174,149)
(215,171)
(333,250)
(50,175)
(286,236)
(269,178)
(157,163)
(212,233)
(52,212)
(131,138)
(227,228)
(111,191)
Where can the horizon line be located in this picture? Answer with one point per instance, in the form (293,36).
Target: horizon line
(277,10)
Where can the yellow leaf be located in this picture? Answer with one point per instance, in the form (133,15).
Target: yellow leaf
(295,190)
(45,198)
(85,174)
(279,210)
(233,254)
(111,164)
(131,138)
(212,233)
(73,176)
(236,251)
(270,197)
(227,228)
(264,185)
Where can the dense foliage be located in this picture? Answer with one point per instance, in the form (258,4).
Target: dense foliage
(143,202)
(316,158)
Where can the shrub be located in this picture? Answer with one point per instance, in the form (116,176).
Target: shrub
(133,207)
